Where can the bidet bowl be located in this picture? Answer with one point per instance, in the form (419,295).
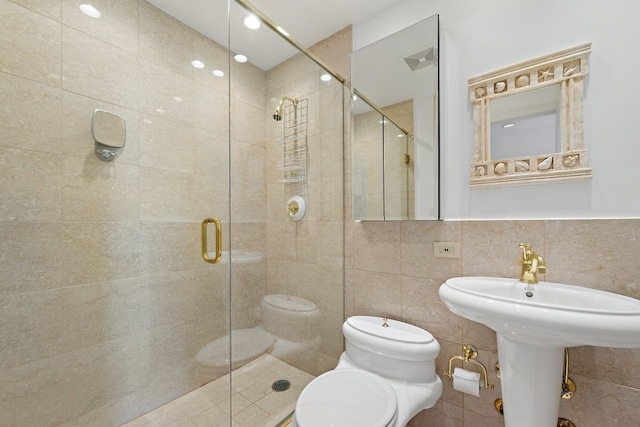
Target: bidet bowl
(547,314)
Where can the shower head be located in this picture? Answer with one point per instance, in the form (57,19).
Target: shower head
(278,113)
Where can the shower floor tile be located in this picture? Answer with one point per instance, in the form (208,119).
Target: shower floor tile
(254,403)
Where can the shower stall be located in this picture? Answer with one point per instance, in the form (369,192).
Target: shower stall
(108,308)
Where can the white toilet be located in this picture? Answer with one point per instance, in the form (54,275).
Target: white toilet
(287,331)
(292,321)
(385,376)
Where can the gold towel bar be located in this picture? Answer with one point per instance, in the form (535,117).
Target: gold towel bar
(469,354)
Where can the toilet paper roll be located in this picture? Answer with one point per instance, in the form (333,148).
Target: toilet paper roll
(466,381)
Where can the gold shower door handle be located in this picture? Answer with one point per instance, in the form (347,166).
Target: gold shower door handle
(205,250)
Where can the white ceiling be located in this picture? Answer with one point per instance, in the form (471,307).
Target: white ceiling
(307,21)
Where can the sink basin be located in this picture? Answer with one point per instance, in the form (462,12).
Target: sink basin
(549,314)
(534,324)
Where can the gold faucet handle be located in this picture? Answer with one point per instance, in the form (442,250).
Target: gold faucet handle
(542,269)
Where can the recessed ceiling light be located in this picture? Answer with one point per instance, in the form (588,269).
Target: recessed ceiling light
(252,22)
(354,97)
(218,73)
(401,135)
(240,58)
(325,77)
(178,98)
(89,10)
(508,125)
(197,63)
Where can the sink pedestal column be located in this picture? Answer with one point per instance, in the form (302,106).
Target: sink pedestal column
(531,378)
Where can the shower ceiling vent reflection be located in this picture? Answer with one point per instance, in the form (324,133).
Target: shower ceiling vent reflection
(420,60)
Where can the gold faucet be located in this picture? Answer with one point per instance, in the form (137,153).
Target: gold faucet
(532,263)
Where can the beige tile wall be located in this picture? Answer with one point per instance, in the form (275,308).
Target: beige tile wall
(306,257)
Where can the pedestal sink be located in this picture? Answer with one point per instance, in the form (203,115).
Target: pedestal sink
(534,324)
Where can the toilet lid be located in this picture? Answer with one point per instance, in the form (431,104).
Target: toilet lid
(346,398)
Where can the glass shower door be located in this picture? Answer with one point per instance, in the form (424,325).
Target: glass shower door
(287,220)
(106,307)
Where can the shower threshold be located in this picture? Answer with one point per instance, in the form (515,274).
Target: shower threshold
(286,422)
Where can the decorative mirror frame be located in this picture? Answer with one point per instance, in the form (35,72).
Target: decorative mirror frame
(566,68)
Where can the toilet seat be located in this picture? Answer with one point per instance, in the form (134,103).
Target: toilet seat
(347,398)
(246,345)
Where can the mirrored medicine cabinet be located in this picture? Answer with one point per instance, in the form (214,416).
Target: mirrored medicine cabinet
(395,132)
(528,121)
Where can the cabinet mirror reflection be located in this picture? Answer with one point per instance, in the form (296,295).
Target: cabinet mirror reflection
(382,168)
(395,141)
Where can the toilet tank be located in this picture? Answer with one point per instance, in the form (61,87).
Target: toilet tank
(398,351)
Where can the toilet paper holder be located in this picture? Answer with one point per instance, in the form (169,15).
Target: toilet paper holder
(469,355)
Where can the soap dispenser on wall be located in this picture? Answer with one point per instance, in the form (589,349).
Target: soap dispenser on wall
(109,133)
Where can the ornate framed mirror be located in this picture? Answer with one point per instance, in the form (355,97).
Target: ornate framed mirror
(528,121)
